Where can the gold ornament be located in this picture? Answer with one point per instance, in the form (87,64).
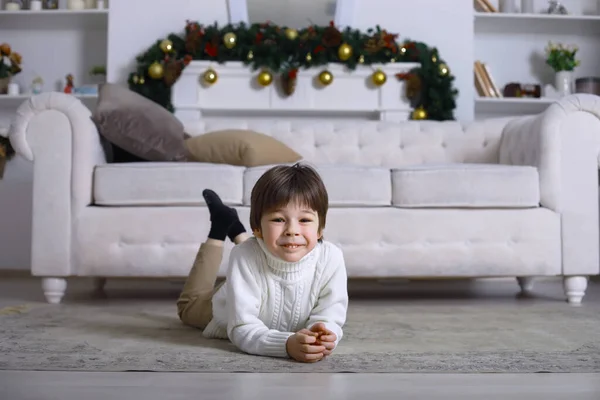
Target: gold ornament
(264,78)
(156,70)
(210,76)
(345,51)
(230,40)
(308,57)
(403,50)
(419,113)
(379,77)
(141,81)
(250,55)
(434,58)
(135,79)
(361,59)
(166,46)
(291,34)
(326,78)
(444,70)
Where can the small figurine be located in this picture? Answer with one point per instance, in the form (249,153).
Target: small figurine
(70,86)
(37,85)
(556,8)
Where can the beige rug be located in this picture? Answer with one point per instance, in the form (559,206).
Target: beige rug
(381,336)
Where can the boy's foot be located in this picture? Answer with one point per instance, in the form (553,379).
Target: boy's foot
(224,220)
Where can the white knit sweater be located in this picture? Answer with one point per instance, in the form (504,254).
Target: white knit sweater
(266,300)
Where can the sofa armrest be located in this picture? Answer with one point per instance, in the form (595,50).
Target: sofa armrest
(56,133)
(563,143)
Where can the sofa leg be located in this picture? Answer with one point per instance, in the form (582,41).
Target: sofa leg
(54,289)
(526,283)
(575,287)
(99,284)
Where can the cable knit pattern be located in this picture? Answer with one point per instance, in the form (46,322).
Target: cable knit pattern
(265,300)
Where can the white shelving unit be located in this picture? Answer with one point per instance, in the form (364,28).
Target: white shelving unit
(53,44)
(512,45)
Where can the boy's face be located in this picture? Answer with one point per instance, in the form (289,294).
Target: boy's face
(290,232)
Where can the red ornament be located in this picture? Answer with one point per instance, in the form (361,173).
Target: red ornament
(211,50)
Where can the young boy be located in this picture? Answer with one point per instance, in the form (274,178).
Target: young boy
(285,292)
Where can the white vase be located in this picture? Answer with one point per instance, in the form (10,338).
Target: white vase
(564,82)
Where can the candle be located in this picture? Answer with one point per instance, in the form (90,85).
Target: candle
(35,5)
(13,7)
(13,89)
(76,5)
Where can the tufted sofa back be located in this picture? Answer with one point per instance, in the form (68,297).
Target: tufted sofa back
(375,143)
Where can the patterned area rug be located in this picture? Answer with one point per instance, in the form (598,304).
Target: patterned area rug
(380,336)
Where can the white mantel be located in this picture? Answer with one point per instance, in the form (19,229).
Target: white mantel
(237,91)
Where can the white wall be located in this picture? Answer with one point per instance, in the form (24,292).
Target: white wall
(134,25)
(445,24)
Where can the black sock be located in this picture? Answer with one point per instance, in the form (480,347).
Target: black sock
(236,229)
(221,216)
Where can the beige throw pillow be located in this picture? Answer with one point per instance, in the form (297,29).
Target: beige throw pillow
(239,147)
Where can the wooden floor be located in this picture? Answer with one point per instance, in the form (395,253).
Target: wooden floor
(174,386)
(34,385)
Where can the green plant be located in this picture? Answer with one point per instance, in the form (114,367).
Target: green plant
(98,70)
(561,57)
(10,61)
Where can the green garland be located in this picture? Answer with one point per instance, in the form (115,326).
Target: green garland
(282,50)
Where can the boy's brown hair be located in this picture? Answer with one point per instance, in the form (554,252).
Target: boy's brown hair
(283,184)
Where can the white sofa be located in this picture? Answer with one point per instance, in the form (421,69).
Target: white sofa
(495,198)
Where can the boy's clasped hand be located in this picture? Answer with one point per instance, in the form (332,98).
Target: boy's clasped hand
(311,345)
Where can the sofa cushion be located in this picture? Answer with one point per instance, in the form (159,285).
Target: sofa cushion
(165,183)
(347,185)
(138,125)
(239,147)
(466,185)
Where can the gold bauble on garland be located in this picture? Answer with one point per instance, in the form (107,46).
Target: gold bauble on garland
(230,40)
(379,77)
(291,34)
(250,55)
(419,113)
(210,76)
(444,70)
(326,78)
(308,58)
(264,78)
(345,52)
(156,70)
(166,46)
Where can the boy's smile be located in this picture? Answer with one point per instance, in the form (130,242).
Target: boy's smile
(290,232)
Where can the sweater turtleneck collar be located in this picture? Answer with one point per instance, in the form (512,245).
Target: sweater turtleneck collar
(289,270)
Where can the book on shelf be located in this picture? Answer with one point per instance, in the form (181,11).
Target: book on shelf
(484,6)
(484,83)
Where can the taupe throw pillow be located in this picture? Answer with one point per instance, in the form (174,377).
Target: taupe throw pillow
(138,125)
(239,147)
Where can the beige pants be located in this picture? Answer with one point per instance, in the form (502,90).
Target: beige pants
(194,305)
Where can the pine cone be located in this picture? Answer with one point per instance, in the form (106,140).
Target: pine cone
(172,72)
(289,81)
(331,37)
